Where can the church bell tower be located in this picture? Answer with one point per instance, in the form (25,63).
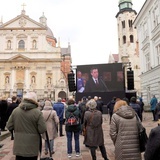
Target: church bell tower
(127,40)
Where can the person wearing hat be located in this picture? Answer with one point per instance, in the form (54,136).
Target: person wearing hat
(52,121)
(94,137)
(152,151)
(28,123)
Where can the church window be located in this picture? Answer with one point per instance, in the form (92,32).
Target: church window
(131,39)
(155,16)
(8,44)
(62,83)
(145,30)
(130,23)
(34,44)
(147,61)
(124,39)
(21,44)
(123,24)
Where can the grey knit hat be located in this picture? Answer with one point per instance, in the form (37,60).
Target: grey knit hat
(91,104)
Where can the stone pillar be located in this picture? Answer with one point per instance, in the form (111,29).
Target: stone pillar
(27,81)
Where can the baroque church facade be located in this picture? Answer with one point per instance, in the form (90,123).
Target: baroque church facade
(30,59)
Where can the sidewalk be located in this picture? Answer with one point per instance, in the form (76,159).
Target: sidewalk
(60,143)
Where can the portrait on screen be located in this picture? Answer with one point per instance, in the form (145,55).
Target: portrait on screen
(100,78)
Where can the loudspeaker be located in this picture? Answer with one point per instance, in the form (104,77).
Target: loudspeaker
(130,80)
(71,82)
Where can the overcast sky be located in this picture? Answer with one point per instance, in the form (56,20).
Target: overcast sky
(89,25)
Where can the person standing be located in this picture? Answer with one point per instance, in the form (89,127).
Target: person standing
(124,132)
(10,109)
(99,103)
(3,113)
(82,108)
(73,129)
(153,103)
(59,108)
(152,151)
(28,123)
(94,134)
(110,107)
(133,103)
(52,121)
(140,102)
(157,111)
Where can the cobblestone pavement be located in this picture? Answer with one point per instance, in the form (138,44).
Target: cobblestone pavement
(60,143)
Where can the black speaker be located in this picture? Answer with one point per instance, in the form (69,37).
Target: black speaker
(130,80)
(71,82)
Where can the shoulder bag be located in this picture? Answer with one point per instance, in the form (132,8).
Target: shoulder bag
(143,138)
(84,131)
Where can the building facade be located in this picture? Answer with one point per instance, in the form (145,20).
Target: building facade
(147,24)
(30,59)
(127,42)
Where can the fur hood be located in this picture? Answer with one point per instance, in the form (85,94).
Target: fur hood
(28,104)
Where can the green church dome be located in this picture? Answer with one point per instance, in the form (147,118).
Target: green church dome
(125,4)
(121,1)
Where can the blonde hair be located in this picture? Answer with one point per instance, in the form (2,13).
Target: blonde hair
(119,104)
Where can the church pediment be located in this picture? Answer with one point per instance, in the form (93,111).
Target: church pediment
(22,22)
(20,58)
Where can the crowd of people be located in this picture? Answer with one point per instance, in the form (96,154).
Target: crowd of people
(28,120)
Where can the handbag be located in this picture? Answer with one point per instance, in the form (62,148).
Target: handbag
(143,138)
(84,130)
(45,158)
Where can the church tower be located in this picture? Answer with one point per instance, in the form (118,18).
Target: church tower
(127,40)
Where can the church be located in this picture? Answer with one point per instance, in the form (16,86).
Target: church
(31,60)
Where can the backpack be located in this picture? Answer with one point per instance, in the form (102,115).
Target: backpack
(72,120)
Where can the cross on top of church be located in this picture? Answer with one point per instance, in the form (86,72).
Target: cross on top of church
(23,5)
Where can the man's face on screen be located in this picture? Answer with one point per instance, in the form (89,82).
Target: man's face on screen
(94,73)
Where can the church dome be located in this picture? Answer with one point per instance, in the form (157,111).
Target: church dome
(49,33)
(121,1)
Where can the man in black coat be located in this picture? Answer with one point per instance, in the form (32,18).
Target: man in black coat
(95,84)
(152,151)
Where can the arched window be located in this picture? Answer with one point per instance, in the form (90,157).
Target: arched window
(130,23)
(34,44)
(131,39)
(21,44)
(8,44)
(124,39)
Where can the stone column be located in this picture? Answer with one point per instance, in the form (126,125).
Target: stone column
(27,81)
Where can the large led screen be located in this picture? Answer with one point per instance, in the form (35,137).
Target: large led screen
(98,79)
